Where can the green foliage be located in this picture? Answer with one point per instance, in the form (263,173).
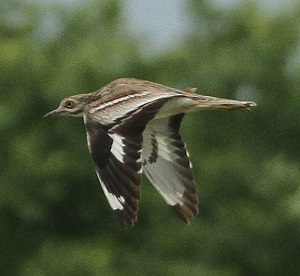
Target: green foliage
(54,219)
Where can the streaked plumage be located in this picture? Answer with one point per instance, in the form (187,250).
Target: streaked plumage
(132,128)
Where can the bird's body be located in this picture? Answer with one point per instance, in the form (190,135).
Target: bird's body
(132,128)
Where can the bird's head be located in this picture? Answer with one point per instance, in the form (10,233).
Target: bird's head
(71,106)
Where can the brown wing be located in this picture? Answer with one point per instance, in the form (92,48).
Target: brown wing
(116,151)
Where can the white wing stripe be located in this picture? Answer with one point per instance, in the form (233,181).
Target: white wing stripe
(120,108)
(118,100)
(88,139)
(117,148)
(114,201)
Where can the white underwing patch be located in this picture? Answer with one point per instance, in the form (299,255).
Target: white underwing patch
(163,148)
(175,106)
(170,198)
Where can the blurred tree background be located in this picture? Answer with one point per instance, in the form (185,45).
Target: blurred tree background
(54,218)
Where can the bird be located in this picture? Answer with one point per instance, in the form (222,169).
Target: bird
(132,129)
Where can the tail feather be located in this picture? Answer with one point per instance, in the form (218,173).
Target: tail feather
(207,102)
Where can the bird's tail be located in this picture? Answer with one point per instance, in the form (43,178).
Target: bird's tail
(207,102)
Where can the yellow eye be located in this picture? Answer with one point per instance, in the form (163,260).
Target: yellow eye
(69,104)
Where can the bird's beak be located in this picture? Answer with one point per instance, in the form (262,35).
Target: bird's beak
(54,113)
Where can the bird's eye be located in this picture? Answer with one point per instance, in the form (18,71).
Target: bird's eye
(69,104)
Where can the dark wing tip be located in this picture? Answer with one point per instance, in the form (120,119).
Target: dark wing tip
(186,213)
(126,219)
(189,209)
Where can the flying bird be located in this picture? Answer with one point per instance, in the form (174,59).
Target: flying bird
(133,128)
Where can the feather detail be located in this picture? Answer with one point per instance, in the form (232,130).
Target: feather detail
(133,127)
